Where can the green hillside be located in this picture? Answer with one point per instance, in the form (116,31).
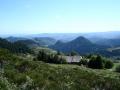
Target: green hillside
(23,74)
(33,41)
(16,47)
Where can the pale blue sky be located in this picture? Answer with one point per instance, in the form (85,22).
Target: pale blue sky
(58,16)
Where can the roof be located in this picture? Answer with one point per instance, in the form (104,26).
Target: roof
(72,58)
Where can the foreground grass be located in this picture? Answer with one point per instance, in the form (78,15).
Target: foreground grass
(43,76)
(100,72)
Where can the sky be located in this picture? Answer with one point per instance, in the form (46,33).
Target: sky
(58,16)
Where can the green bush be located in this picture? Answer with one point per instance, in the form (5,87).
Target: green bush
(117,69)
(99,62)
(109,64)
(83,61)
(96,63)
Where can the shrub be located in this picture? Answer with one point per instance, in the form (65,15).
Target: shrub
(83,61)
(117,69)
(23,67)
(42,56)
(96,62)
(109,64)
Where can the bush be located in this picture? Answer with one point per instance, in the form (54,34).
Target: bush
(117,69)
(96,62)
(42,56)
(109,64)
(83,61)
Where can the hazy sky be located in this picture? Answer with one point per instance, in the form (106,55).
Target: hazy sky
(53,16)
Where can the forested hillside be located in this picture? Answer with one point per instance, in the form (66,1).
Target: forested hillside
(33,41)
(15,47)
(80,45)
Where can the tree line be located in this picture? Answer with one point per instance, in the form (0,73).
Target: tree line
(15,47)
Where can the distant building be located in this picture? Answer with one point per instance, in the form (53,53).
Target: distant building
(72,59)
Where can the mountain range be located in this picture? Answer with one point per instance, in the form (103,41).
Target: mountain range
(32,42)
(105,43)
(15,47)
(71,36)
(80,45)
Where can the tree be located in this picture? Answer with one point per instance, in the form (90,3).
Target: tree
(99,62)
(89,56)
(16,47)
(109,64)
(59,53)
(96,62)
(83,61)
(73,53)
(50,58)
(42,56)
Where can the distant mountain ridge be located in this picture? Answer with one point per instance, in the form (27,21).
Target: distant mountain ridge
(93,36)
(30,43)
(81,40)
(109,42)
(15,47)
(80,44)
(37,41)
(72,36)
(14,39)
(45,40)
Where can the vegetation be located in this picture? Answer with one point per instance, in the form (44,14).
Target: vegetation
(22,74)
(59,53)
(45,41)
(80,45)
(14,47)
(50,58)
(109,64)
(96,62)
(84,62)
(37,41)
(117,69)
